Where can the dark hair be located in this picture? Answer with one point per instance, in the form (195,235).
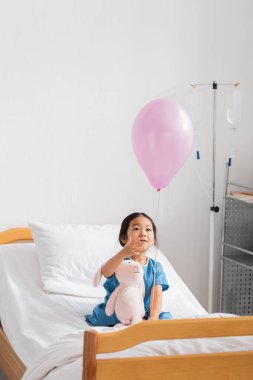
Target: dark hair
(125,225)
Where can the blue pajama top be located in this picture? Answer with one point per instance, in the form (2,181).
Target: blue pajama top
(99,318)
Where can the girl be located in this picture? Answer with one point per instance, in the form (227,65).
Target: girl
(137,235)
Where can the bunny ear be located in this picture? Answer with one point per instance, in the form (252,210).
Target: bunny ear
(97,277)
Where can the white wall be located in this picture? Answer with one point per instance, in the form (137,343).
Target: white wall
(73,76)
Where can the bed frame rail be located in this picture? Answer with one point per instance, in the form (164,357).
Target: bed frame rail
(10,363)
(12,366)
(15,234)
(218,366)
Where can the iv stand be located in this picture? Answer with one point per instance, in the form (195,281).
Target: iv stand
(213,208)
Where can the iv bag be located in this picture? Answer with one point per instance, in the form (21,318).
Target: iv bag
(234,109)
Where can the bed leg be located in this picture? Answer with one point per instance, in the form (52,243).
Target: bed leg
(89,355)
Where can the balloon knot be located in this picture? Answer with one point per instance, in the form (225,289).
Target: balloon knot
(158,189)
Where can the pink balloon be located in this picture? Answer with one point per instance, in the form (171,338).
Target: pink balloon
(162,138)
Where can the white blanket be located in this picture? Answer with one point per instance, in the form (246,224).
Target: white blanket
(62,360)
(33,319)
(46,331)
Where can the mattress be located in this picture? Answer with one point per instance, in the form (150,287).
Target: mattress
(33,319)
(46,330)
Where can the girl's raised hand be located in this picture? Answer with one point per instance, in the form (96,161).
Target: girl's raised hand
(132,248)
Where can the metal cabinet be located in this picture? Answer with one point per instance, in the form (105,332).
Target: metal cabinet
(237,256)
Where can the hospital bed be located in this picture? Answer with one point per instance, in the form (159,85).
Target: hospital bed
(44,336)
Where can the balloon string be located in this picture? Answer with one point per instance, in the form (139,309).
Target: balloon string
(157,212)
(158,204)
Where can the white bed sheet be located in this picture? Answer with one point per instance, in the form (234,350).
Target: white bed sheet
(46,331)
(63,360)
(35,319)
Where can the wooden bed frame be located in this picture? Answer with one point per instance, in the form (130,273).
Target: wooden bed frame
(10,363)
(215,366)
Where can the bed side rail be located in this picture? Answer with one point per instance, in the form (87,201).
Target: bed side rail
(97,343)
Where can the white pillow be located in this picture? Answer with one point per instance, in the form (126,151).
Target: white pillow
(69,255)
(20,277)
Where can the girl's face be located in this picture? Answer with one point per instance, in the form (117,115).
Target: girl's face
(140,229)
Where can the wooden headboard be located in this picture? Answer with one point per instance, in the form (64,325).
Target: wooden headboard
(15,234)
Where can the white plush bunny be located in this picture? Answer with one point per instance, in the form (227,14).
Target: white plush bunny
(127,299)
